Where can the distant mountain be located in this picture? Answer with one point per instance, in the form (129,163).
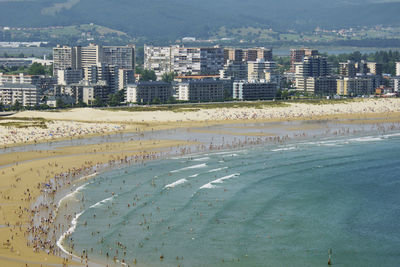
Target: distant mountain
(169,19)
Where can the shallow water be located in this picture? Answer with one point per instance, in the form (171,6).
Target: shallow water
(264,206)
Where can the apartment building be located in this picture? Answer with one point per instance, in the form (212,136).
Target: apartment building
(347,69)
(158,59)
(261,70)
(25,94)
(354,86)
(125,77)
(184,60)
(147,92)
(69,76)
(78,57)
(121,56)
(243,90)
(103,72)
(201,91)
(297,55)
(234,70)
(254,54)
(234,54)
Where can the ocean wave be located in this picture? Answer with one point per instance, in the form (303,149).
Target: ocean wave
(219,181)
(227,152)
(181,181)
(231,155)
(73,193)
(218,169)
(202,159)
(366,139)
(69,232)
(102,202)
(283,149)
(190,167)
(194,175)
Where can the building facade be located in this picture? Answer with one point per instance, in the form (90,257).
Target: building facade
(25,94)
(254,90)
(148,92)
(201,91)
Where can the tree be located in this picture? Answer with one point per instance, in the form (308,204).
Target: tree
(16,106)
(117,98)
(171,100)
(36,69)
(148,75)
(60,103)
(156,101)
(98,102)
(1,107)
(168,77)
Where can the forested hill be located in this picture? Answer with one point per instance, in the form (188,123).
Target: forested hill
(199,18)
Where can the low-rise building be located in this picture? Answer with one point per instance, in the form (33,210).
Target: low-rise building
(243,90)
(201,91)
(148,92)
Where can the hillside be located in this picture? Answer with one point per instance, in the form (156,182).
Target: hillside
(160,19)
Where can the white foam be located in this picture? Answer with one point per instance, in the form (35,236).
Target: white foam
(191,167)
(366,139)
(202,159)
(86,177)
(283,149)
(208,186)
(391,135)
(218,169)
(102,202)
(194,175)
(68,232)
(181,181)
(71,194)
(219,181)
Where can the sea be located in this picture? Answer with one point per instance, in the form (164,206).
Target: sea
(293,204)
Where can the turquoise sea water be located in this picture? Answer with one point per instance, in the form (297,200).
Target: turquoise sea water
(262,206)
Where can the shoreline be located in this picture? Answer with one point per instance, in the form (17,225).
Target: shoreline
(363,137)
(36,166)
(373,117)
(219,150)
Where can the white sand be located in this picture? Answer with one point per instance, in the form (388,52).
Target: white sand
(294,110)
(73,122)
(55,130)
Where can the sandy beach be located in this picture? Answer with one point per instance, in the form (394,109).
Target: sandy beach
(287,111)
(27,175)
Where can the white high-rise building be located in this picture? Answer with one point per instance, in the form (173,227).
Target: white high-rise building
(398,69)
(184,60)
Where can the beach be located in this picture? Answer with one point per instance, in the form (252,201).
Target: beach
(29,175)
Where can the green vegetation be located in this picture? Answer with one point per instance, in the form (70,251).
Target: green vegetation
(23,122)
(388,59)
(195,107)
(166,21)
(34,69)
(146,75)
(168,77)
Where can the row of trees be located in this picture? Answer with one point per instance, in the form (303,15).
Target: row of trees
(34,69)
(388,60)
(150,75)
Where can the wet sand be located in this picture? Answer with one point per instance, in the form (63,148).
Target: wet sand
(25,179)
(24,175)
